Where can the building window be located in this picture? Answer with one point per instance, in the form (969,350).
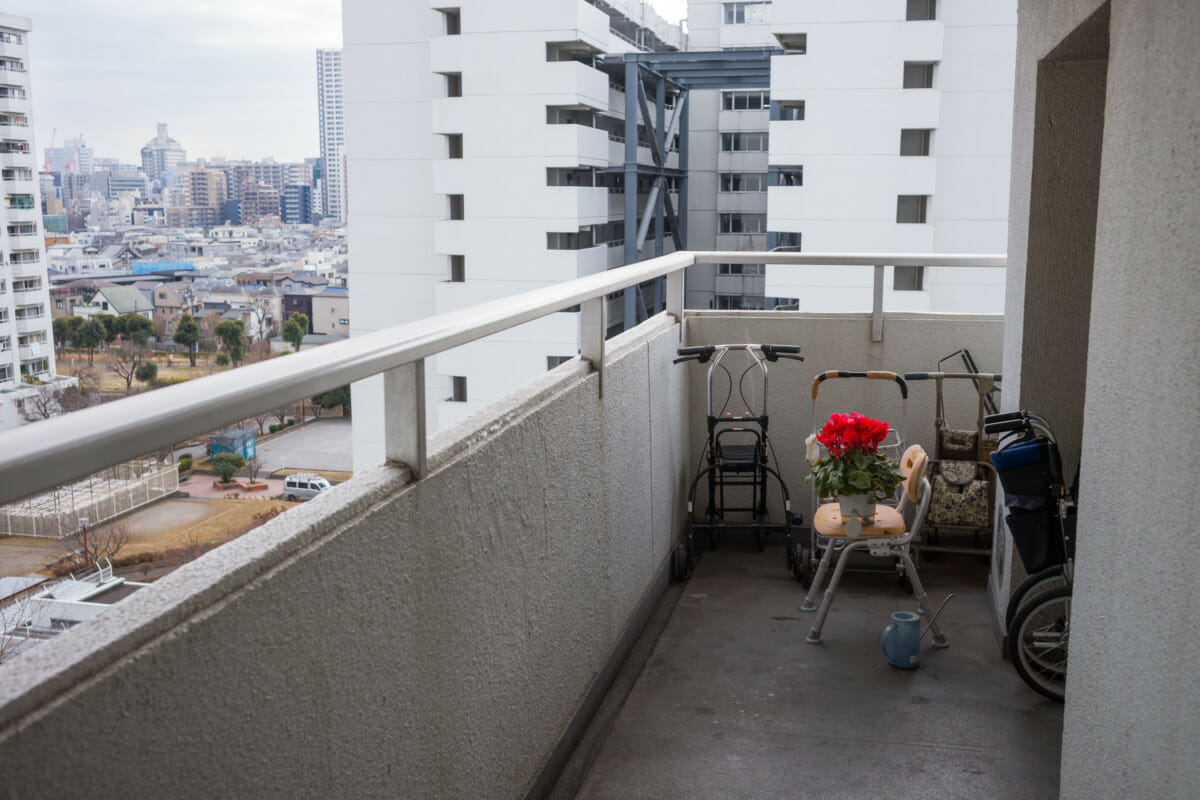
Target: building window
(743,181)
(454,145)
(788,239)
(755,100)
(58,304)
(791,176)
(343,322)
(740,269)
(458,384)
(915,141)
(921,10)
(918,74)
(453,84)
(570,241)
(755,141)
(791,110)
(458,269)
(556,361)
(908,279)
(567,176)
(743,223)
(911,207)
(453,20)
(747,13)
(456,207)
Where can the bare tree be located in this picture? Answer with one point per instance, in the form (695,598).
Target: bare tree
(280,413)
(42,403)
(253,466)
(124,361)
(261,421)
(13,617)
(101,542)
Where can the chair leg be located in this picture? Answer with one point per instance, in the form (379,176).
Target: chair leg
(939,638)
(809,603)
(814,635)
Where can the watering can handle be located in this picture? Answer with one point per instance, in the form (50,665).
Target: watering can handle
(885,639)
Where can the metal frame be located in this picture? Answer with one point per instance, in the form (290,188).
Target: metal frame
(37,457)
(680,72)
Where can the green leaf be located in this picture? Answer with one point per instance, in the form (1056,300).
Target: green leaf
(859,480)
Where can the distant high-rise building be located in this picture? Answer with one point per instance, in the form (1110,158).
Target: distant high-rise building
(297,204)
(161,156)
(73,156)
(318,187)
(26,335)
(334,197)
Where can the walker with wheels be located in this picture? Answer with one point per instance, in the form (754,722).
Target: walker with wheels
(737,456)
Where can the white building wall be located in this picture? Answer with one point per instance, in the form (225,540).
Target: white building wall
(22,246)
(402,242)
(851,82)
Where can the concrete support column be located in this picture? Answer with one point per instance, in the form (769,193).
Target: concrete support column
(633,80)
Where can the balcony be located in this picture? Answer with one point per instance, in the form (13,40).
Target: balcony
(492,578)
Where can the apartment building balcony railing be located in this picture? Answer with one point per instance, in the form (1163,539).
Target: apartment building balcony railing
(393,633)
(12,66)
(23,256)
(10,38)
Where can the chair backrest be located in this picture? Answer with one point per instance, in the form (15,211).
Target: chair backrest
(912,467)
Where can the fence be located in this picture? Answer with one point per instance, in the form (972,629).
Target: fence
(100,497)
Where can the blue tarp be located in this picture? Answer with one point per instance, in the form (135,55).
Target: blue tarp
(146,267)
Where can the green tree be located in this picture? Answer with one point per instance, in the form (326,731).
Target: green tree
(136,327)
(89,337)
(146,372)
(59,326)
(111,329)
(294,330)
(226,464)
(334,398)
(187,333)
(232,334)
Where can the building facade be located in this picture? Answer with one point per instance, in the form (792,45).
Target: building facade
(161,156)
(297,204)
(26,333)
(453,236)
(334,194)
(891,133)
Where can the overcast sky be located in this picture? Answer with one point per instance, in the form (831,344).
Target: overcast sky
(233,78)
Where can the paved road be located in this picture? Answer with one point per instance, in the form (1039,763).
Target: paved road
(325,444)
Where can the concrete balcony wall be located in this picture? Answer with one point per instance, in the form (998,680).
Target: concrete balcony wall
(911,342)
(427,639)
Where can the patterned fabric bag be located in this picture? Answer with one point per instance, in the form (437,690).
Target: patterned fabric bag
(958,497)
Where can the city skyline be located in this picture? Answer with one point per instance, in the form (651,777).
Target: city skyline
(185,64)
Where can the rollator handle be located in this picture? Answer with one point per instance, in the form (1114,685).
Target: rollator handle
(1005,417)
(1003,426)
(701,353)
(774,352)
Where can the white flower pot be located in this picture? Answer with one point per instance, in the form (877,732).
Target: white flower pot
(857,506)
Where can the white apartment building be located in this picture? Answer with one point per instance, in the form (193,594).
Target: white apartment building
(334,195)
(494,166)
(26,334)
(161,157)
(896,137)
(491,107)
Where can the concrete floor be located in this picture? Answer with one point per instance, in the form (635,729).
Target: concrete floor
(732,703)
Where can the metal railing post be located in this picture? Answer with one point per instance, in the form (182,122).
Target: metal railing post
(591,335)
(404,419)
(877,306)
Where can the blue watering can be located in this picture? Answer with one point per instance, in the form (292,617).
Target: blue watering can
(901,640)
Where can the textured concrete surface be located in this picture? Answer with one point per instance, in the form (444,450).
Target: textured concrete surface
(1132,719)
(385,639)
(733,703)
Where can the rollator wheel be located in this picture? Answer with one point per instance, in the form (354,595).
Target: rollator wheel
(789,555)
(1038,642)
(681,562)
(801,565)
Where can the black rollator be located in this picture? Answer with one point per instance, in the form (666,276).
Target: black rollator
(738,462)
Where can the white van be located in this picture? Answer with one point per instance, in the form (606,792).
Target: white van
(303,486)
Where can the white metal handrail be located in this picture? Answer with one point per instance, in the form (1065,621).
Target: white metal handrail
(40,456)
